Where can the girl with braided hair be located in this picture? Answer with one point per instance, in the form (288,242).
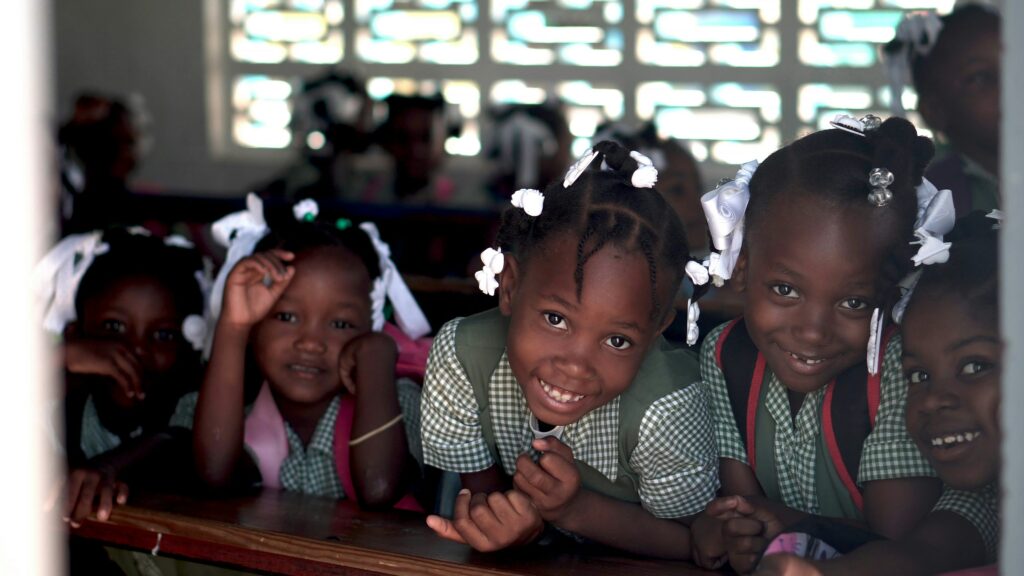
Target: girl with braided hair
(565,405)
(816,239)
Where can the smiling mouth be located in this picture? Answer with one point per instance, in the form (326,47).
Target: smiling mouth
(808,361)
(956,439)
(560,395)
(304,369)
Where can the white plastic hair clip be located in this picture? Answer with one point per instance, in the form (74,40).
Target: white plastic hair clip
(916,35)
(530,200)
(579,167)
(697,272)
(692,315)
(724,207)
(936,216)
(880,179)
(194,330)
(487,277)
(645,175)
(859,127)
(906,287)
(538,433)
(932,249)
(306,210)
(997,217)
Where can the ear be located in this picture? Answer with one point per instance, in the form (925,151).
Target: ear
(739,272)
(508,283)
(669,317)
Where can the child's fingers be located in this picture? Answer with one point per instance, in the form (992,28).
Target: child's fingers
(127,372)
(521,503)
(75,480)
(743,563)
(347,370)
(444,528)
(121,493)
(559,467)
(86,500)
(742,526)
(771,523)
(555,446)
(722,508)
(106,503)
(531,479)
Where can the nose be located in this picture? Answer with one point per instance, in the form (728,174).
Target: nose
(939,395)
(574,361)
(311,340)
(813,324)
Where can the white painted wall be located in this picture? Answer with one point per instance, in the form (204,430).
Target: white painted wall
(155,48)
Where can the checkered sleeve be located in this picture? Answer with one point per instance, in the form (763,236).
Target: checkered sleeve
(727,435)
(453,439)
(888,451)
(675,456)
(980,508)
(185,411)
(409,394)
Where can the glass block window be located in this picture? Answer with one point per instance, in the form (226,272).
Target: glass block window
(733,78)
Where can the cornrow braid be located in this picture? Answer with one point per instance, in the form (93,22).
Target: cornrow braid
(602,208)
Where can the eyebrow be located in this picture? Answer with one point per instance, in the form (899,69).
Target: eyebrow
(980,338)
(559,300)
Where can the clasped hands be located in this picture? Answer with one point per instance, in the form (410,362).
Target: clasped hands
(544,491)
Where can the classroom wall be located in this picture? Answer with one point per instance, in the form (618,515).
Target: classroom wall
(155,48)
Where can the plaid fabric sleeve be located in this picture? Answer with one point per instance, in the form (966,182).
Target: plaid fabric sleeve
(185,411)
(727,435)
(675,456)
(452,437)
(409,394)
(980,508)
(888,451)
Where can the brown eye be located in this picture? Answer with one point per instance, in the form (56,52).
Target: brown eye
(555,320)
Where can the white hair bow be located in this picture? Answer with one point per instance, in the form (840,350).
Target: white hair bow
(239,232)
(917,34)
(725,207)
(58,274)
(487,277)
(530,200)
(390,286)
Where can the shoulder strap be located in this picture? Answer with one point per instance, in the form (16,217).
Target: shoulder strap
(743,367)
(479,346)
(848,416)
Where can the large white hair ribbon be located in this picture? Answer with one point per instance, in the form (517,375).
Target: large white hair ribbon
(936,216)
(725,207)
(239,232)
(58,274)
(915,36)
(390,286)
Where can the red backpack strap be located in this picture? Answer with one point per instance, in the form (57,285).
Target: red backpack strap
(743,367)
(342,435)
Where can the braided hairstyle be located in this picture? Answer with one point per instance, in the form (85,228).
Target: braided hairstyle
(971,271)
(140,255)
(298,236)
(602,208)
(833,166)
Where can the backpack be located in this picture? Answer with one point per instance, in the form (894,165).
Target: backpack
(848,409)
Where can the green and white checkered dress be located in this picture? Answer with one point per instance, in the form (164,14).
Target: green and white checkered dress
(674,458)
(888,451)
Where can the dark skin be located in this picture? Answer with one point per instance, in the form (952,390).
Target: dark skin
(310,331)
(126,342)
(589,351)
(952,358)
(810,279)
(960,92)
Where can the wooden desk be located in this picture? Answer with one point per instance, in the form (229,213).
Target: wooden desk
(295,534)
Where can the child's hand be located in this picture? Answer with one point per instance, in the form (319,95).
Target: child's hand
(490,522)
(747,534)
(374,349)
(92,491)
(707,544)
(787,565)
(254,285)
(552,482)
(106,358)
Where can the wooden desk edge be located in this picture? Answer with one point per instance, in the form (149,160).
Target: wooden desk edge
(165,533)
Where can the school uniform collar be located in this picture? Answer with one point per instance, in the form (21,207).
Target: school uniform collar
(593,438)
(322,442)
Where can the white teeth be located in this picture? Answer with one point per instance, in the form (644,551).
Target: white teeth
(951,439)
(558,395)
(808,361)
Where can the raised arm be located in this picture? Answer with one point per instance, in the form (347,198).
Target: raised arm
(251,289)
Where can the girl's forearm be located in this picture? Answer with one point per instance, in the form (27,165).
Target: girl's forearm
(626,526)
(219,419)
(380,455)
